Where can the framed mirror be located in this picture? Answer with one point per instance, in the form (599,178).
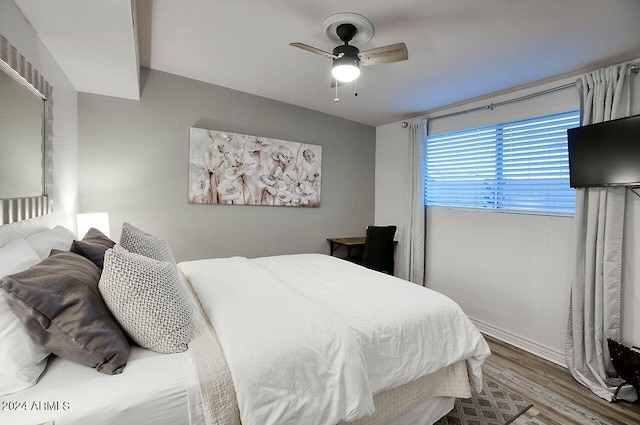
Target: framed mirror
(25,138)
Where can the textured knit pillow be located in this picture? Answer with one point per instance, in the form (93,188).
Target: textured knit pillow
(140,242)
(59,304)
(148,299)
(93,246)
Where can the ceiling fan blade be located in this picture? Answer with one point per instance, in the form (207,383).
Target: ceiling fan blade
(313,50)
(385,54)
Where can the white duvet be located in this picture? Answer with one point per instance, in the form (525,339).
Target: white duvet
(310,338)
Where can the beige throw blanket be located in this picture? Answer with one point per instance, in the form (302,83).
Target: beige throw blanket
(218,396)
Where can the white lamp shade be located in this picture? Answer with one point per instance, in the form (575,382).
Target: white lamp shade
(99,221)
(345,73)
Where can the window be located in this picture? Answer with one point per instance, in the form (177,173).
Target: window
(514,166)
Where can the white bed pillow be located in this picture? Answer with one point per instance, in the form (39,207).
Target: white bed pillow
(143,243)
(57,238)
(22,360)
(148,299)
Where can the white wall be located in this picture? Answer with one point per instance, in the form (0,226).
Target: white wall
(18,31)
(509,272)
(392,175)
(134,165)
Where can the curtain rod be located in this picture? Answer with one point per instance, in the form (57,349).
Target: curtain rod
(633,68)
(506,102)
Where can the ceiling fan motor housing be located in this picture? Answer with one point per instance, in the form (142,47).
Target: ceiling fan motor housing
(346,32)
(346,55)
(346,50)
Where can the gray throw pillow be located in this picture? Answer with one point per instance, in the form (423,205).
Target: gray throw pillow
(148,299)
(93,246)
(58,302)
(143,243)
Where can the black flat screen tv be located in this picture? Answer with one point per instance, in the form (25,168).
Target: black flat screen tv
(605,154)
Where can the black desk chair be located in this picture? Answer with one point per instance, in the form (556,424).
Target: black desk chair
(379,247)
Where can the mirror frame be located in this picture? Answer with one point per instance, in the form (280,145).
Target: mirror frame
(16,65)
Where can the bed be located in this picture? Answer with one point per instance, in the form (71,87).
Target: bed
(292,339)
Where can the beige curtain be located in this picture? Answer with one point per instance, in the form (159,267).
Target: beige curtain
(416,218)
(594,310)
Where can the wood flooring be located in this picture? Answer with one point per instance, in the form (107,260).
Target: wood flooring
(556,397)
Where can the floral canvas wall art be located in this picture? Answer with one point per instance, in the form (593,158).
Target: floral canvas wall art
(231,168)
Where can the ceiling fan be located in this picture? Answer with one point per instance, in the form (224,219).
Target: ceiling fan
(347,59)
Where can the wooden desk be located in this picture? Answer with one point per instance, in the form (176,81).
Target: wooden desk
(350,243)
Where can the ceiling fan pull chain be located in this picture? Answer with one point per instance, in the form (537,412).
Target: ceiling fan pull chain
(336,99)
(355,92)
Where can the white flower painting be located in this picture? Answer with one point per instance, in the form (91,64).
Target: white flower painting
(239,169)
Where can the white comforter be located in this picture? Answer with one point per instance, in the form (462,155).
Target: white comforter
(310,338)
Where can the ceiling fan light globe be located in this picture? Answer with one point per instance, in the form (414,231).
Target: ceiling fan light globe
(345,73)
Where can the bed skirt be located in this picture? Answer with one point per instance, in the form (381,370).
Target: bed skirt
(451,381)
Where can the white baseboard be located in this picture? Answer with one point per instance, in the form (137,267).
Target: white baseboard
(539,350)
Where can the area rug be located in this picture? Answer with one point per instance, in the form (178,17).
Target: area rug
(495,405)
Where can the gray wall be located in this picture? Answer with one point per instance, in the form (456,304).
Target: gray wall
(133,160)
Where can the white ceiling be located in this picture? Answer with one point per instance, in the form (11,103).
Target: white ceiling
(458,49)
(94,42)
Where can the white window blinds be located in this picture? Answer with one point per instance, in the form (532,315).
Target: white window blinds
(518,166)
